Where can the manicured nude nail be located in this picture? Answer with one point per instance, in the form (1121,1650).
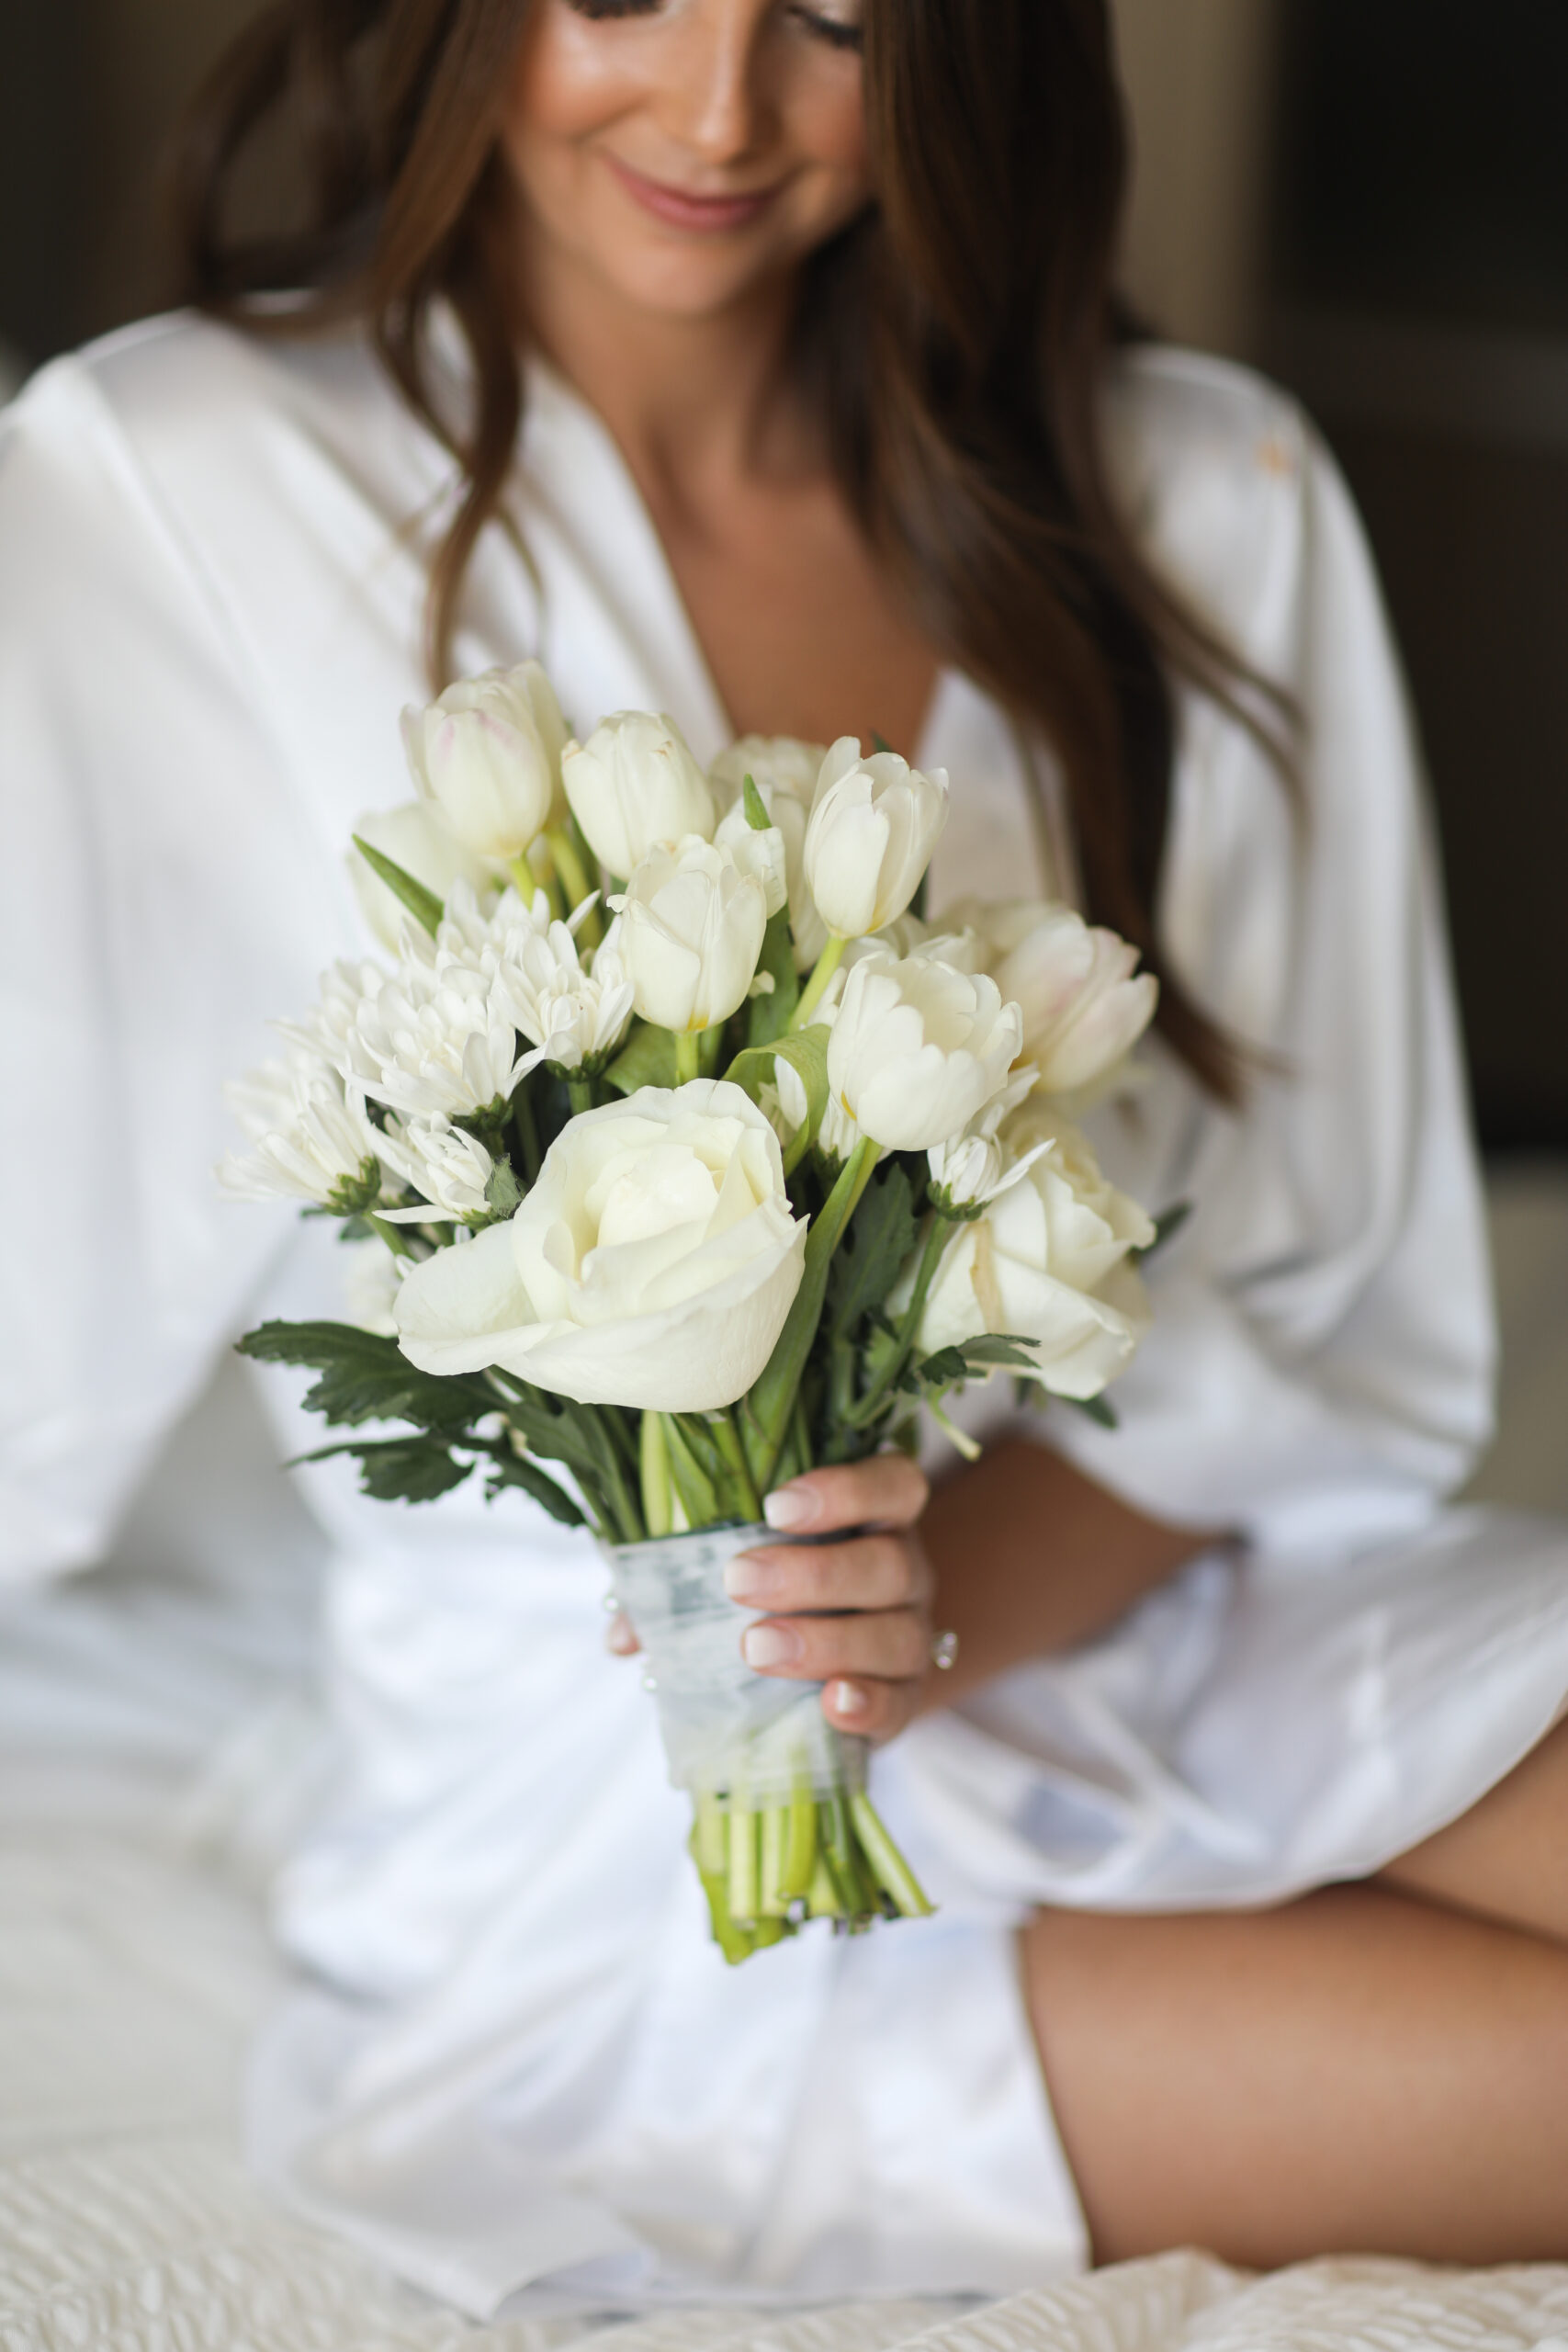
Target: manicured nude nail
(791,1507)
(750,1578)
(848,1698)
(763,1645)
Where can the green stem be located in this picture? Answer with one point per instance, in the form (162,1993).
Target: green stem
(866,1410)
(727,1437)
(886,1862)
(575,885)
(769,1407)
(580,1093)
(522,872)
(688,1057)
(816,987)
(657,1510)
(743,1860)
(390,1235)
(528,1132)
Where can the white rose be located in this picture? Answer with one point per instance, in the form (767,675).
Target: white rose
(414,838)
(918,1050)
(488,754)
(874,825)
(652,1265)
(691,927)
(1083,1009)
(633,784)
(1048,1262)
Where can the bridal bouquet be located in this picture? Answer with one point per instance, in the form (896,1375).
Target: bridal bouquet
(696,1159)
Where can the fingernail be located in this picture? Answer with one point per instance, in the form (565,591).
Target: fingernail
(849,1699)
(619,1638)
(763,1645)
(749,1579)
(790,1507)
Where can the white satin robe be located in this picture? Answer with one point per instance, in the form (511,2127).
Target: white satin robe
(518,2058)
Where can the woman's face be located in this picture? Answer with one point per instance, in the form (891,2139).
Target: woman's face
(682,151)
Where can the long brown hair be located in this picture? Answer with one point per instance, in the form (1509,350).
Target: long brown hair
(956,336)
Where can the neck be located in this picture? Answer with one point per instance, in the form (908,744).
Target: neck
(692,402)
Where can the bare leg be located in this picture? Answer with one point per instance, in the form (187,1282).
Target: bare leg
(1508,1858)
(1357,2070)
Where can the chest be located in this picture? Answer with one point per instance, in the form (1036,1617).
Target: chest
(800,631)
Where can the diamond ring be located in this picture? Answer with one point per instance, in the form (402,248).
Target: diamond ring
(944,1652)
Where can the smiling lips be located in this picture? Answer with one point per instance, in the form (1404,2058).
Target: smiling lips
(679,210)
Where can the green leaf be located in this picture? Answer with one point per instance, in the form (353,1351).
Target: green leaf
(1096,1409)
(1168,1225)
(768,1015)
(945,1369)
(647,1058)
(806,1050)
(875,1251)
(515,1471)
(401,1469)
(756,808)
(504,1194)
(365,1377)
(422,904)
(698,1498)
(993,1347)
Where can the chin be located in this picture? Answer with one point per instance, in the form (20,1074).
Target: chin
(689,285)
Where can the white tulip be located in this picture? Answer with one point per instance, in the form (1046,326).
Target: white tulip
(633,784)
(917,1049)
(764,853)
(414,838)
(488,754)
(652,1265)
(784,772)
(1083,1009)
(874,825)
(310,1135)
(691,927)
(1048,1262)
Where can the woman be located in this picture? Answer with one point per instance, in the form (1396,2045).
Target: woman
(755,359)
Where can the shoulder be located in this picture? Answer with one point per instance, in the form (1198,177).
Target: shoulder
(1217,470)
(163,412)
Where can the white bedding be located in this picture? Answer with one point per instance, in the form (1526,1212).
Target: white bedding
(154,1743)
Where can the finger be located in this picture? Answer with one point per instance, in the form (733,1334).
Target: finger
(620,1636)
(889,1491)
(891,1645)
(884,1571)
(874,1710)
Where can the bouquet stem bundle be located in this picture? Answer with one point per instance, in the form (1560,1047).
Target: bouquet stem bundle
(674,1209)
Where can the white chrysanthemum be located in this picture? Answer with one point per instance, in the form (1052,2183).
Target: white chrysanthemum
(448,1168)
(439,1041)
(577,1015)
(327,1030)
(311,1138)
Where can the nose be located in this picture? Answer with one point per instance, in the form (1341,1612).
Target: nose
(715,99)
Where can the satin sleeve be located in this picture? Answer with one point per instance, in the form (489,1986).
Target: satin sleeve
(1320,1371)
(156,905)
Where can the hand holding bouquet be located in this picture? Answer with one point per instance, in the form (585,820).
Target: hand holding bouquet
(684,1203)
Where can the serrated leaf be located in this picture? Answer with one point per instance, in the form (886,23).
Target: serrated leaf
(1096,1409)
(365,1377)
(768,1015)
(647,1058)
(546,1491)
(401,1469)
(874,1251)
(423,905)
(993,1347)
(945,1369)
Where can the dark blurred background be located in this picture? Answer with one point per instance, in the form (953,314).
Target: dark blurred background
(1366,198)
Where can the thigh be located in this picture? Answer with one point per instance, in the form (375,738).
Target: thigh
(1354,2071)
(1507,1857)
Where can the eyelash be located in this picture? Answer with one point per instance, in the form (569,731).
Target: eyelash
(836,36)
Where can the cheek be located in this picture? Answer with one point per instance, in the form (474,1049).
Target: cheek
(566,84)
